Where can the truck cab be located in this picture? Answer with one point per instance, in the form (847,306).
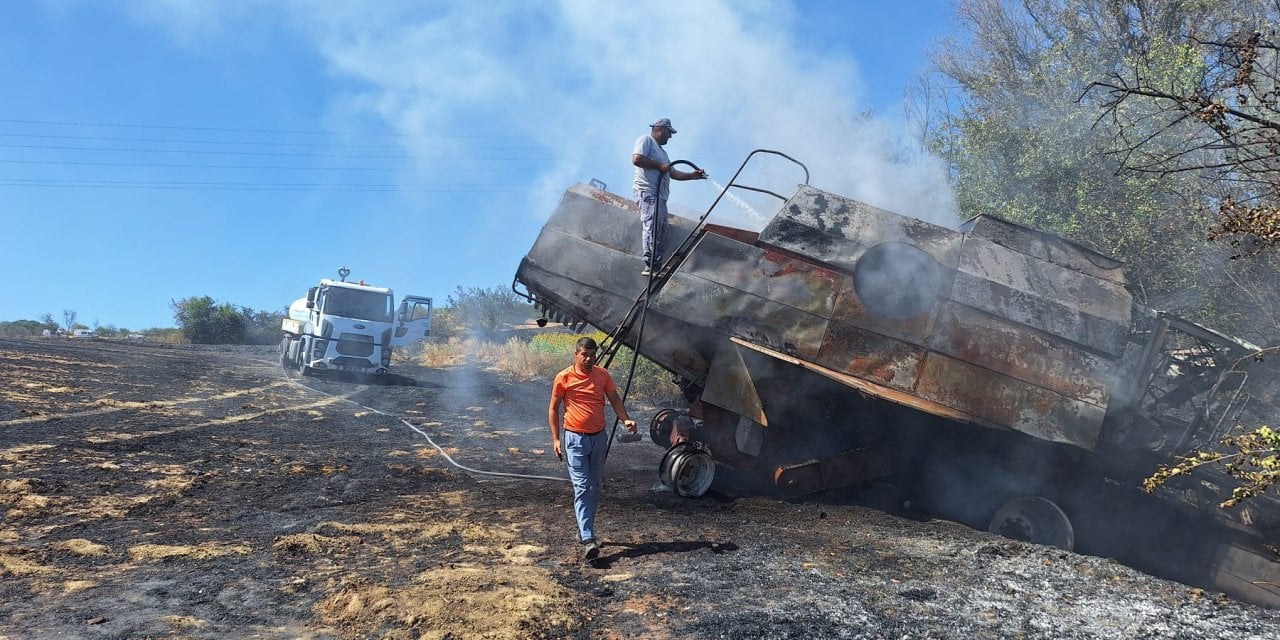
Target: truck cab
(351,326)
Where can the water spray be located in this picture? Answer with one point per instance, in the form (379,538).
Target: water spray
(739,202)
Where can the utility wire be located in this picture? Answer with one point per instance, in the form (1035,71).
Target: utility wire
(231,187)
(207,152)
(243,143)
(225,166)
(372,134)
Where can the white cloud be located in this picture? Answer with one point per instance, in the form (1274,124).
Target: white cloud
(566,88)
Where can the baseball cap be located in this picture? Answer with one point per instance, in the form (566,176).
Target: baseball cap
(664,122)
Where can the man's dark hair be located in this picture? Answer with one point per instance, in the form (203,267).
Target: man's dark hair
(586,343)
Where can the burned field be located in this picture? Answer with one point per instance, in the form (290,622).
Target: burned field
(204,493)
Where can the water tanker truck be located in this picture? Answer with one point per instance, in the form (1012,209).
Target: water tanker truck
(350,326)
(991,374)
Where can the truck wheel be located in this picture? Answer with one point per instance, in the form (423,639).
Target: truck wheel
(1034,519)
(284,354)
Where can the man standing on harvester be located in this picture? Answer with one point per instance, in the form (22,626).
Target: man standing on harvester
(652,186)
(582,389)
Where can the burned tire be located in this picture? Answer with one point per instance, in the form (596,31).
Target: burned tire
(687,469)
(1034,519)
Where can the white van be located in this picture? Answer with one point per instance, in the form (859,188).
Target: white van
(83,333)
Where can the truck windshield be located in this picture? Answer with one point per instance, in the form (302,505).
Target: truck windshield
(353,303)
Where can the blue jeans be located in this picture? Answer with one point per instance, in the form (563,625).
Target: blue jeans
(585,457)
(653,222)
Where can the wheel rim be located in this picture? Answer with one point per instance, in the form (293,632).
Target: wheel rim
(1034,519)
(687,470)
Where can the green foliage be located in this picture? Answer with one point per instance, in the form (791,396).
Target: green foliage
(22,328)
(1252,459)
(261,327)
(482,312)
(1029,140)
(445,323)
(204,321)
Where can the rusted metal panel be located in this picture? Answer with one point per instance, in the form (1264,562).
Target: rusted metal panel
(915,329)
(1103,336)
(1092,296)
(733,312)
(842,469)
(1014,404)
(836,230)
(602,218)
(870,388)
(870,355)
(767,274)
(1020,352)
(1043,246)
(730,385)
(741,235)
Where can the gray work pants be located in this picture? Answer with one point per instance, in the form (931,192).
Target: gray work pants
(653,220)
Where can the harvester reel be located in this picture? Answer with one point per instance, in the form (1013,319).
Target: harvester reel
(1036,520)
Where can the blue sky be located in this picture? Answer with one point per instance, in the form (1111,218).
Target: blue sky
(152,150)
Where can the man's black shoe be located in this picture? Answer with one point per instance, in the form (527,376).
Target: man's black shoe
(592,550)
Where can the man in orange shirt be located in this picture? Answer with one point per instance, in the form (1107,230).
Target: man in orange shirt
(582,390)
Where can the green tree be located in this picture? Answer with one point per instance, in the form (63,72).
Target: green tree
(1028,141)
(445,323)
(261,327)
(483,312)
(204,321)
(1220,124)
(22,328)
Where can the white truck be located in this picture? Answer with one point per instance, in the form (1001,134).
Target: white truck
(350,326)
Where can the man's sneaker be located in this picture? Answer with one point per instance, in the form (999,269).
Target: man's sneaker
(646,273)
(592,550)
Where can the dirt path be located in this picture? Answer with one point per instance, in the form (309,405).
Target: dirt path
(202,493)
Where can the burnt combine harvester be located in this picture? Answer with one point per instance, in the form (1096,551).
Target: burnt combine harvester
(993,375)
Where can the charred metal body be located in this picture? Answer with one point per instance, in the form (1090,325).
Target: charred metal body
(982,372)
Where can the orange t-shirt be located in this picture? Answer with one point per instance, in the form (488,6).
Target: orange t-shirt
(584,398)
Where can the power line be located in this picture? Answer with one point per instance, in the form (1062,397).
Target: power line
(245,184)
(222,166)
(206,152)
(242,143)
(28,144)
(379,134)
(354,188)
(323,145)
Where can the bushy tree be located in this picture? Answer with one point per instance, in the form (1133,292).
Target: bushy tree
(204,321)
(22,328)
(483,311)
(1027,140)
(445,323)
(261,327)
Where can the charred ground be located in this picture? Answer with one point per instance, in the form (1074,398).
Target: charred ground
(202,492)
